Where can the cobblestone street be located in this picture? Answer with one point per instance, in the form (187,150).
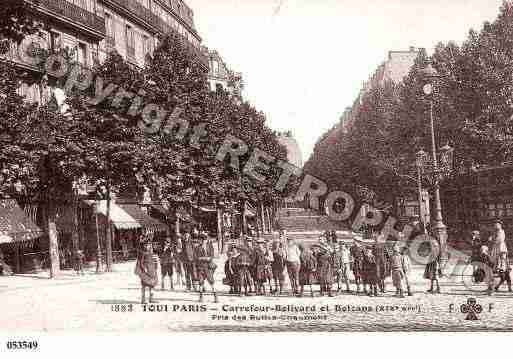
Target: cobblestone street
(91,302)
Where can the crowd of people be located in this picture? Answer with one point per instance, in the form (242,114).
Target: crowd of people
(252,267)
(256,266)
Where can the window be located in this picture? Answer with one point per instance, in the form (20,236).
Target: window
(55,41)
(146,45)
(215,68)
(130,41)
(110,36)
(82,54)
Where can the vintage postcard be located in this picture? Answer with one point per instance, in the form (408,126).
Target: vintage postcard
(255,166)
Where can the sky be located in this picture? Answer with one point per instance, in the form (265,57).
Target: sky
(304,61)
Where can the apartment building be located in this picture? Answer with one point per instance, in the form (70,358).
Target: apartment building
(221,75)
(90,29)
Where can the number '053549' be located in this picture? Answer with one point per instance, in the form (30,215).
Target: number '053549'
(22,344)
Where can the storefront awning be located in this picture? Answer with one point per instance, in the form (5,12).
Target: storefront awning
(118,217)
(15,225)
(145,220)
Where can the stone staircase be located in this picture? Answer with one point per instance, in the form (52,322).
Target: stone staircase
(306,225)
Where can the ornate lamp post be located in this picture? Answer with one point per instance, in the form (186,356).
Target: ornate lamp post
(439,229)
(421,160)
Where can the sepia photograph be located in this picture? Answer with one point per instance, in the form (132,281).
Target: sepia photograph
(235,166)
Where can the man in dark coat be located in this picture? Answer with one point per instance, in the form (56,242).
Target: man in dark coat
(278,267)
(167,262)
(325,267)
(146,270)
(382,256)
(188,261)
(204,267)
(230,270)
(244,265)
(357,255)
(307,269)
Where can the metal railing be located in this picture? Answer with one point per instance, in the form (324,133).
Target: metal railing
(75,13)
(155,21)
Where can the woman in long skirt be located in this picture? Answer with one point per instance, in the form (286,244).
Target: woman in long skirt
(146,270)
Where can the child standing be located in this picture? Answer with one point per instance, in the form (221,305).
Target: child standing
(397,267)
(504,269)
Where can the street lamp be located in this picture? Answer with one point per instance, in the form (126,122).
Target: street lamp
(440,230)
(421,160)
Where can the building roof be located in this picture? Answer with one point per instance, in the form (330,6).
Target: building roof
(15,225)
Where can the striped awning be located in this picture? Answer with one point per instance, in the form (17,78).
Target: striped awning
(146,221)
(15,225)
(118,217)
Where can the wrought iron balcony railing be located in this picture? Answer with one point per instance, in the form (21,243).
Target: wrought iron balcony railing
(149,17)
(75,14)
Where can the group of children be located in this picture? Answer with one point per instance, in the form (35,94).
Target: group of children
(249,267)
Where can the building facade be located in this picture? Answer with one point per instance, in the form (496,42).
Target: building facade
(221,75)
(89,30)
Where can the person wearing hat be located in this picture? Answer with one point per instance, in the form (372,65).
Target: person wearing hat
(357,255)
(370,273)
(475,245)
(504,269)
(178,267)
(167,262)
(188,260)
(498,242)
(397,266)
(307,269)
(433,269)
(204,267)
(244,265)
(381,253)
(325,266)
(146,270)
(230,270)
(487,265)
(278,266)
(293,263)
(263,260)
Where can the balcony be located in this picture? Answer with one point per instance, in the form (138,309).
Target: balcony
(134,8)
(140,13)
(74,15)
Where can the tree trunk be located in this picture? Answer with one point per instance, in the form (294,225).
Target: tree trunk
(98,242)
(108,234)
(53,246)
(220,241)
(75,230)
(243,221)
